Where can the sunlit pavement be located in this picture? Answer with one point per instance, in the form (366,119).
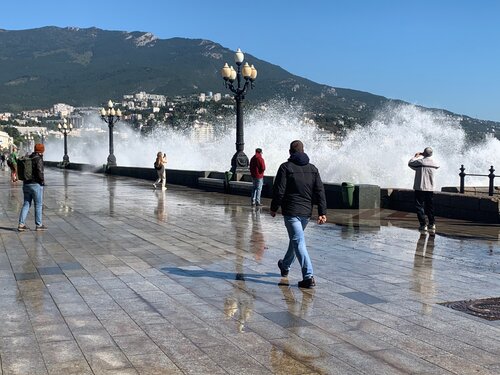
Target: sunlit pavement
(130,280)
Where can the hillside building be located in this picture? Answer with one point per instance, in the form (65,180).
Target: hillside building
(62,110)
(6,141)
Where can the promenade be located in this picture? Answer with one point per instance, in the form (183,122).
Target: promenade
(128,280)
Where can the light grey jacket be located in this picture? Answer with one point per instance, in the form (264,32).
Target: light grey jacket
(424,168)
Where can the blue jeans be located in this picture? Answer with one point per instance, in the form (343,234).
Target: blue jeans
(32,192)
(295,225)
(257,189)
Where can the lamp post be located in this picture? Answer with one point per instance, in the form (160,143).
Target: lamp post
(65,128)
(111,117)
(28,138)
(41,135)
(244,76)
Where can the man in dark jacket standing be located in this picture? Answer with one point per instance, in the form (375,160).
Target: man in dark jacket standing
(257,168)
(297,186)
(33,191)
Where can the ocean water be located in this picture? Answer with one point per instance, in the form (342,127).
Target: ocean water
(374,154)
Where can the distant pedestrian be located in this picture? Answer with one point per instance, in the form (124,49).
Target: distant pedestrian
(296,187)
(2,160)
(12,163)
(425,167)
(33,191)
(160,165)
(257,168)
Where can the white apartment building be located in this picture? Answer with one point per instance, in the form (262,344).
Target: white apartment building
(35,114)
(63,110)
(5,116)
(6,141)
(25,130)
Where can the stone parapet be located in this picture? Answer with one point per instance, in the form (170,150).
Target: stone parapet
(480,208)
(452,205)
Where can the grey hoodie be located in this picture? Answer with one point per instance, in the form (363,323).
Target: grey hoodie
(424,168)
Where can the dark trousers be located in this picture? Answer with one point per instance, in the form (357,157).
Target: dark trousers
(423,205)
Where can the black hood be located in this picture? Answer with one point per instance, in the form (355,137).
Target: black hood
(299,158)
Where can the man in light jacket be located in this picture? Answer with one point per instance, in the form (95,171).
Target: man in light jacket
(425,167)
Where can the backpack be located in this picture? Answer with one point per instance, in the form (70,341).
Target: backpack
(25,168)
(157,166)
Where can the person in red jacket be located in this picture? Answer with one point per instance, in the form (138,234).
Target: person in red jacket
(257,168)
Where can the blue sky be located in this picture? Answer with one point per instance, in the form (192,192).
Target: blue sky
(435,53)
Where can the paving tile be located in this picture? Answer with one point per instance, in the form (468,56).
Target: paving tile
(70,368)
(285,319)
(29,363)
(52,332)
(108,359)
(26,275)
(85,322)
(70,266)
(120,327)
(458,365)
(154,364)
(363,297)
(136,345)
(90,340)
(50,271)
(61,351)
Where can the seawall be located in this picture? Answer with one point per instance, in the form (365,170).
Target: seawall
(477,208)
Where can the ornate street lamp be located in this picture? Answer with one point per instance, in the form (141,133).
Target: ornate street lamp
(111,117)
(29,139)
(65,128)
(244,76)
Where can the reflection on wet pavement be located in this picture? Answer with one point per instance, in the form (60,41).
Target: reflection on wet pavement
(130,280)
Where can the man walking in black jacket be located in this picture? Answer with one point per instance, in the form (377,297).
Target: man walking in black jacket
(297,186)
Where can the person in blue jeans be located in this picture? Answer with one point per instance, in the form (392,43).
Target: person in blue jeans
(297,186)
(33,191)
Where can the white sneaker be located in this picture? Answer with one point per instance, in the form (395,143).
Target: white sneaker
(432,228)
(422,228)
(154,186)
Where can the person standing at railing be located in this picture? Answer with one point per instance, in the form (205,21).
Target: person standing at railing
(425,168)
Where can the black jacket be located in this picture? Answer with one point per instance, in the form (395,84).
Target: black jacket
(38,176)
(297,186)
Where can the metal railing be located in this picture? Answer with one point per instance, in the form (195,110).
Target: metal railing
(491,176)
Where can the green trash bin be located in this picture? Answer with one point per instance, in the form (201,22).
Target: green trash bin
(347,194)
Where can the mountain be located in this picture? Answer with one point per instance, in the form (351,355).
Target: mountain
(86,67)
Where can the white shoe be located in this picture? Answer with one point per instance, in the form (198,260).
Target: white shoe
(422,228)
(154,186)
(432,228)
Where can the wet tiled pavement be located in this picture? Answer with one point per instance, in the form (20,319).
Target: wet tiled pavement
(129,280)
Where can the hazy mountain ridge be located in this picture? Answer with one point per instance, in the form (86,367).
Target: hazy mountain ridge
(87,66)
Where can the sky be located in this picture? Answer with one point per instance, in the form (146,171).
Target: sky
(435,53)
